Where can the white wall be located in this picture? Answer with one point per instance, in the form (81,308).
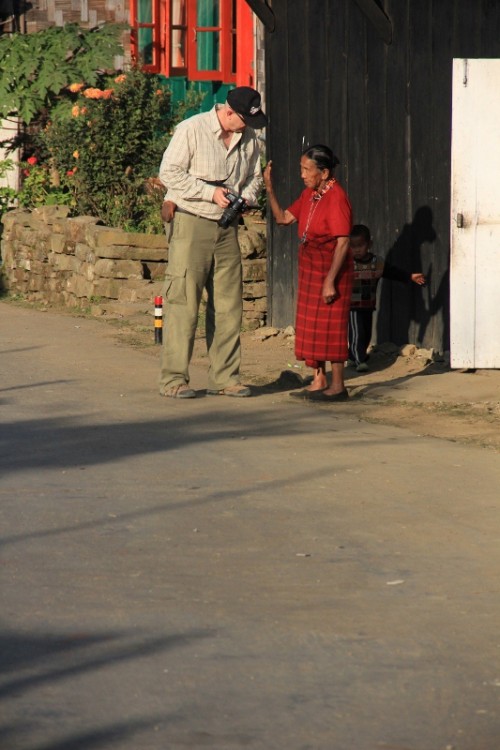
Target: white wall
(8,129)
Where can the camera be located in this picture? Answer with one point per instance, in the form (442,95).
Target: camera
(236,206)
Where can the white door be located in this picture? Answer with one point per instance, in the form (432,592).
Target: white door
(475,215)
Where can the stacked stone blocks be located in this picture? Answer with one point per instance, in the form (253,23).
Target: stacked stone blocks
(76,262)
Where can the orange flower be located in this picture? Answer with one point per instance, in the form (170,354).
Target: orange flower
(75,154)
(107,93)
(159,92)
(92,93)
(75,111)
(76,87)
(121,78)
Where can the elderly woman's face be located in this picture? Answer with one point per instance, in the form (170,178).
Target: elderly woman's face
(311,174)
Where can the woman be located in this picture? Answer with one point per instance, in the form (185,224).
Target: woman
(324,217)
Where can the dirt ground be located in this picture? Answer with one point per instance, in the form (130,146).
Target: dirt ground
(257,574)
(425,396)
(409,391)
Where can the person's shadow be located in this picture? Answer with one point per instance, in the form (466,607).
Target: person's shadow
(407,312)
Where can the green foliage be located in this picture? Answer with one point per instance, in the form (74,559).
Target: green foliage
(107,144)
(94,142)
(7,194)
(43,187)
(35,68)
(147,213)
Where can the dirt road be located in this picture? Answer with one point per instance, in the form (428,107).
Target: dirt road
(426,397)
(232,574)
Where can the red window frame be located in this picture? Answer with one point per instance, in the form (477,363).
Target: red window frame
(170,67)
(225,32)
(231,34)
(137,26)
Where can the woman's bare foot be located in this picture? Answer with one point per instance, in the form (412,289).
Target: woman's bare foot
(316,385)
(319,381)
(337,385)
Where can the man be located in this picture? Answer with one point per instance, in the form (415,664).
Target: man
(210,155)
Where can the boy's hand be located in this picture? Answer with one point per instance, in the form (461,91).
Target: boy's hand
(418,278)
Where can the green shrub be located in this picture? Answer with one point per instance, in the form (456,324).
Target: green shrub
(42,186)
(94,141)
(106,144)
(35,68)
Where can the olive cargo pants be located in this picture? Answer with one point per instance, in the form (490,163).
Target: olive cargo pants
(202,255)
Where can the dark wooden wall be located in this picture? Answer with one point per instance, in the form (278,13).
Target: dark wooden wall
(386,112)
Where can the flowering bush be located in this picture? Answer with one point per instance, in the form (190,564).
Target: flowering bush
(35,68)
(91,140)
(43,186)
(95,142)
(106,142)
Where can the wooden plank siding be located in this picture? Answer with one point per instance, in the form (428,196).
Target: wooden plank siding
(86,13)
(386,111)
(43,13)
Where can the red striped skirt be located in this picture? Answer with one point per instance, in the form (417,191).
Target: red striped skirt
(320,328)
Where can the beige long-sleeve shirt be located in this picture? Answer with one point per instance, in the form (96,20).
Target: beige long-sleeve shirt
(197,155)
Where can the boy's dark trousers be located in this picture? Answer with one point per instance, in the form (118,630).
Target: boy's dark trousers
(360,334)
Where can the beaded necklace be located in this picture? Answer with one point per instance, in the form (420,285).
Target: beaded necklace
(315,199)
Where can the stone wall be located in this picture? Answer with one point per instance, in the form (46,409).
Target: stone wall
(76,262)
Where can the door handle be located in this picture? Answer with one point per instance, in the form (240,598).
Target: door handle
(460,221)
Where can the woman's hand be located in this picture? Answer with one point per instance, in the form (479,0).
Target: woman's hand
(267,176)
(281,216)
(329,293)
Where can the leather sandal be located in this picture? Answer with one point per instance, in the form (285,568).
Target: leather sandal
(181,390)
(321,396)
(237,390)
(305,393)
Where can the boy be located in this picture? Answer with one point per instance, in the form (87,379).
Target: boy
(368,270)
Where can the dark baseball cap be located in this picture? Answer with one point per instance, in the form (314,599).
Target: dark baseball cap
(246,103)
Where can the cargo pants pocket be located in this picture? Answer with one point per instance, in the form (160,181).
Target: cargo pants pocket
(174,290)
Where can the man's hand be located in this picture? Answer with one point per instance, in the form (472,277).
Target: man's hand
(219,197)
(168,211)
